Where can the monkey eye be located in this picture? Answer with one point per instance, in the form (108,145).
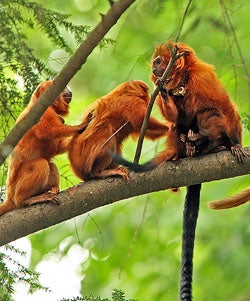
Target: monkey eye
(157,60)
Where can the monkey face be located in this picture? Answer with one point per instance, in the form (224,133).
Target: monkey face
(159,66)
(66,95)
(61,104)
(161,58)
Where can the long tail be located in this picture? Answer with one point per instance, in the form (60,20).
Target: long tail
(190,216)
(232,201)
(132,166)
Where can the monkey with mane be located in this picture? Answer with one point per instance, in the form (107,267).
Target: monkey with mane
(111,119)
(32,177)
(193,99)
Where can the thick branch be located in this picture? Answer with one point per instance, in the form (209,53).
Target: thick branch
(93,194)
(66,74)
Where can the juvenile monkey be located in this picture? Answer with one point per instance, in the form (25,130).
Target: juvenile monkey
(111,119)
(32,177)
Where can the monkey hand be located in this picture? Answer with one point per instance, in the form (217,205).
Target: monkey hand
(162,88)
(192,136)
(85,122)
(82,127)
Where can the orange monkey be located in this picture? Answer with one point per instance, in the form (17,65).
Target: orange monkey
(32,177)
(194,99)
(123,108)
(197,101)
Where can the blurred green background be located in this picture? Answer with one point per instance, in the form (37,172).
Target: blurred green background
(135,244)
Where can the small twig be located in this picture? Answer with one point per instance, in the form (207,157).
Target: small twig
(174,57)
(228,19)
(121,127)
(183,19)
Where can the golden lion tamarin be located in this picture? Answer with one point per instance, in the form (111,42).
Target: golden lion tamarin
(193,98)
(32,177)
(122,112)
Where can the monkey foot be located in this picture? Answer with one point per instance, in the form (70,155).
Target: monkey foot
(119,171)
(183,138)
(190,150)
(50,196)
(238,152)
(220,148)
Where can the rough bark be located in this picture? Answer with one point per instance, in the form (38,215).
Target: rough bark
(93,194)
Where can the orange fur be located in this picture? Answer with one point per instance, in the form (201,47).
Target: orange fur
(205,108)
(205,105)
(32,177)
(88,150)
(232,201)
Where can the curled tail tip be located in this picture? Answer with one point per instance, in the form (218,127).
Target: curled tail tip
(214,205)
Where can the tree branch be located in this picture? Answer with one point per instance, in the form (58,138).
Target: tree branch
(93,194)
(69,70)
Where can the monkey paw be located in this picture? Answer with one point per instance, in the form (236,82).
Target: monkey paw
(183,138)
(192,136)
(190,149)
(50,196)
(238,152)
(119,171)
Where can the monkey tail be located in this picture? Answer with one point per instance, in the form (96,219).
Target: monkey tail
(232,201)
(190,216)
(130,165)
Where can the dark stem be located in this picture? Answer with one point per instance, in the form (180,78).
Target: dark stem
(183,19)
(190,216)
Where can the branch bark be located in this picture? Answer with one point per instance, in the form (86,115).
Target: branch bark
(93,194)
(69,70)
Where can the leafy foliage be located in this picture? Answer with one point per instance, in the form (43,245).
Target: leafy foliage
(117,295)
(246,120)
(18,60)
(12,272)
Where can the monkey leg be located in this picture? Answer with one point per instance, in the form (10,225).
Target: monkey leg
(104,167)
(54,179)
(34,177)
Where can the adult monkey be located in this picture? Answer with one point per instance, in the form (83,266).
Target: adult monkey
(110,120)
(194,101)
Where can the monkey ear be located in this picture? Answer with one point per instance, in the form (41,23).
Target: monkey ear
(180,63)
(36,94)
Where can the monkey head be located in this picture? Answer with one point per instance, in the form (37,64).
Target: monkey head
(161,58)
(61,104)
